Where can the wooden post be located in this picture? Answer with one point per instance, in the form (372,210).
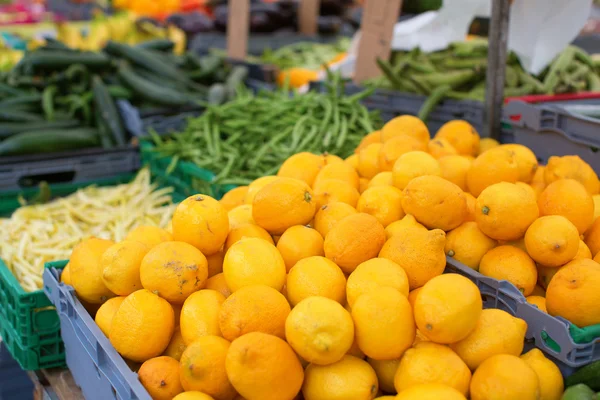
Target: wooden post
(497,56)
(238,23)
(377,28)
(308,13)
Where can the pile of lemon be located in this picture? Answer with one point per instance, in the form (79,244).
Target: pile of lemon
(326,281)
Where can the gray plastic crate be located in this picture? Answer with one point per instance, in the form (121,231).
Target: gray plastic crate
(97,368)
(551,130)
(393,103)
(20,172)
(553,335)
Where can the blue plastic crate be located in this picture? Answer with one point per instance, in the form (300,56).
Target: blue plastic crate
(552,130)
(555,336)
(97,368)
(14,382)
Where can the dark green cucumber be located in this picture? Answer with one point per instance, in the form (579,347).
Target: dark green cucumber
(26,99)
(12,128)
(108,111)
(588,375)
(48,141)
(106,139)
(15,115)
(57,59)
(119,92)
(164,45)
(150,91)
(145,59)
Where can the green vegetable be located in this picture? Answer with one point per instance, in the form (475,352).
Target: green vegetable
(47,141)
(58,59)
(432,101)
(589,375)
(579,392)
(11,128)
(157,44)
(19,116)
(150,91)
(107,112)
(252,135)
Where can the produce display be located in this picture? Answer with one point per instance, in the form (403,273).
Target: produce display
(36,234)
(325,276)
(280,125)
(460,73)
(58,99)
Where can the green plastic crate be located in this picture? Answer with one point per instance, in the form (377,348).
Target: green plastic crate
(186,177)
(29,324)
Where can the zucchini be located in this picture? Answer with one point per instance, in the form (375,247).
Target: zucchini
(104,131)
(26,99)
(588,375)
(119,92)
(107,111)
(145,59)
(164,45)
(19,116)
(11,128)
(579,392)
(150,91)
(58,59)
(48,141)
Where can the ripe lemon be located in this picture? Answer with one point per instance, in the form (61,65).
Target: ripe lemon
(353,240)
(245,231)
(303,166)
(419,253)
(429,362)
(240,215)
(583,251)
(202,222)
(255,186)
(329,191)
(447,308)
(316,276)
(550,378)
(176,346)
(399,227)
(338,171)
(384,323)
(349,378)
(526,161)
(412,165)
(511,264)
(193,396)
(283,203)
(592,238)
(440,147)
(374,274)
(373,137)
(467,244)
(142,326)
(485,342)
(85,270)
(461,135)
(202,367)
(330,214)
(368,160)
(299,242)
(382,202)
(502,377)
(494,166)
(504,211)
(219,284)
(386,371)
(149,235)
(486,144)
(320,330)
(572,167)
(406,125)
(573,293)
(174,270)
(538,301)
(382,179)
(253,262)
(106,313)
(395,147)
(233,198)
(454,169)
(160,377)
(430,391)
(552,240)
(256,308)
(435,202)
(200,315)
(569,198)
(263,367)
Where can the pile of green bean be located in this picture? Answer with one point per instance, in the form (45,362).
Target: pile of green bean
(253,135)
(459,72)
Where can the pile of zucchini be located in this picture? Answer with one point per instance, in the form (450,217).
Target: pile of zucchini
(59,99)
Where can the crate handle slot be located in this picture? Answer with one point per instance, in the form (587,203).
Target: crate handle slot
(28,181)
